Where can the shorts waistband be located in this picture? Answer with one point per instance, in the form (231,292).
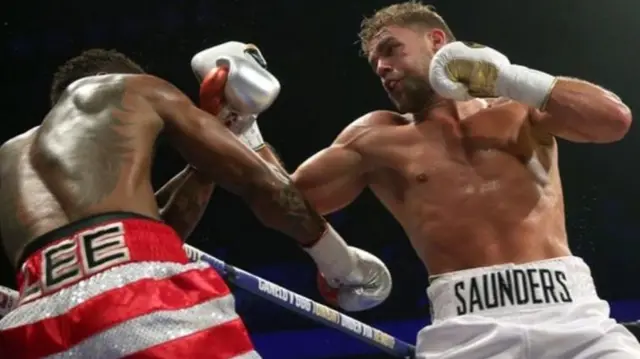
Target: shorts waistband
(505,288)
(70,229)
(91,245)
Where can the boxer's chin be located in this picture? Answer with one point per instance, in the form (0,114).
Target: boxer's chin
(416,95)
(402,105)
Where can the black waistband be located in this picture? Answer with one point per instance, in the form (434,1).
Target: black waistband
(71,228)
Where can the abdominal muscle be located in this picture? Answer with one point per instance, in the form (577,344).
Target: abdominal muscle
(458,220)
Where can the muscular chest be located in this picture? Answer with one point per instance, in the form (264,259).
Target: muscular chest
(472,157)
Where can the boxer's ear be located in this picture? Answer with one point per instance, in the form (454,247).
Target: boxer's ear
(437,38)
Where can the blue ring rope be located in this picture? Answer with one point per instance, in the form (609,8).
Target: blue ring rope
(305,306)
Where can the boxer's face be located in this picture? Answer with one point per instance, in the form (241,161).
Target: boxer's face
(400,56)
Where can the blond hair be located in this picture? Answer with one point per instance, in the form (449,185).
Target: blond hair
(410,13)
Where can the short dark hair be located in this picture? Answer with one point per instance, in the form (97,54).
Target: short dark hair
(90,63)
(404,14)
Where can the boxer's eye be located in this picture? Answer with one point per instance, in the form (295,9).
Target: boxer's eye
(256,56)
(390,49)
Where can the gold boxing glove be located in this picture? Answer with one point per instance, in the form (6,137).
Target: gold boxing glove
(462,71)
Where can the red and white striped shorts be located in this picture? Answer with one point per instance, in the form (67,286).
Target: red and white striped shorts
(118,285)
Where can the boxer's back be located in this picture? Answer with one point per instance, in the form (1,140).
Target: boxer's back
(28,209)
(95,147)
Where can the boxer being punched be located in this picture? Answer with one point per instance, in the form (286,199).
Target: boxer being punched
(475,185)
(80,220)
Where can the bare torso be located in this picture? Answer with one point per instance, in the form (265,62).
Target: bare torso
(28,209)
(92,154)
(477,191)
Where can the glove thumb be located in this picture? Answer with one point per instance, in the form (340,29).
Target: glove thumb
(212,90)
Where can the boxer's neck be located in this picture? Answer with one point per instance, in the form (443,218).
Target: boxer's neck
(444,108)
(435,107)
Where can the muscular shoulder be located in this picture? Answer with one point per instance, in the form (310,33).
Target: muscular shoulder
(140,91)
(99,85)
(18,141)
(161,94)
(10,150)
(366,127)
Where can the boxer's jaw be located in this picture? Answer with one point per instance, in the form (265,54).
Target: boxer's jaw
(400,56)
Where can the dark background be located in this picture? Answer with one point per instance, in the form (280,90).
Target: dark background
(311,47)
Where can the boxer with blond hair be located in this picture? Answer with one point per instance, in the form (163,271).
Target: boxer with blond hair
(468,165)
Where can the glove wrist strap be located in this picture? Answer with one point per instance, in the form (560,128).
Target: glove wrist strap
(252,137)
(525,85)
(332,255)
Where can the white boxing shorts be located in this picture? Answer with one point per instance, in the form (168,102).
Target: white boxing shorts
(545,309)
(120,285)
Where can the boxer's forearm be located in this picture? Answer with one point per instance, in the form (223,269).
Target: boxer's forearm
(187,202)
(583,112)
(268,153)
(315,222)
(280,205)
(317,183)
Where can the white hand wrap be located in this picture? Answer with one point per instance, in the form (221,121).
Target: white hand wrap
(525,85)
(461,71)
(358,279)
(332,255)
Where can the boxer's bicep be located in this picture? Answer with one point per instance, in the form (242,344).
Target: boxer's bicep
(335,176)
(216,152)
(267,189)
(545,122)
(331,179)
(205,142)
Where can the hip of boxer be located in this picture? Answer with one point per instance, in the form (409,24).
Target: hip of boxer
(120,284)
(542,309)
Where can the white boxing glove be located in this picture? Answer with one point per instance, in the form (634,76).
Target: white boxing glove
(236,86)
(463,70)
(349,277)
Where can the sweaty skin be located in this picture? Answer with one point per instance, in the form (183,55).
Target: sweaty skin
(183,200)
(27,208)
(474,190)
(94,150)
(472,183)
(30,210)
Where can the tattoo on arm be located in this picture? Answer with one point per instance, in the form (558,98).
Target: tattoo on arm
(187,204)
(294,215)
